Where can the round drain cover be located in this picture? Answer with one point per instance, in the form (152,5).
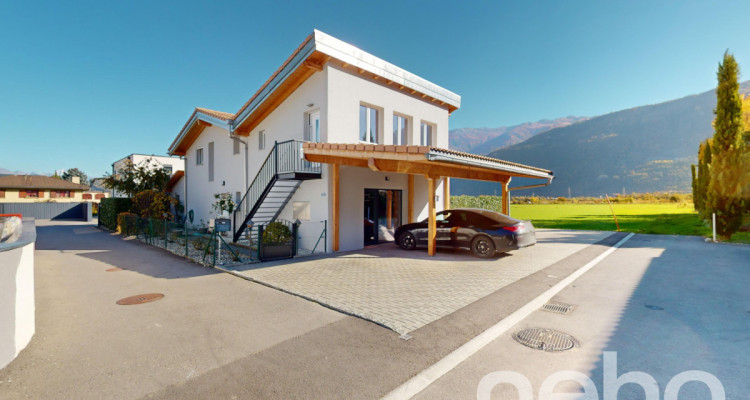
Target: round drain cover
(140,299)
(546,339)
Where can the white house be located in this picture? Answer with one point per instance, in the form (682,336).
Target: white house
(363,144)
(170,164)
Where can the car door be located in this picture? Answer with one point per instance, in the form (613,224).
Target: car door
(421,233)
(444,226)
(462,231)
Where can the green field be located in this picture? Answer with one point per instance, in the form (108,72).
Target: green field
(666,218)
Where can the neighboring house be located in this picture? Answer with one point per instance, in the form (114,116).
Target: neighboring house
(362,144)
(38,188)
(169,164)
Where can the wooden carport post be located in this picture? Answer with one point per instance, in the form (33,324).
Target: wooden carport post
(506,199)
(410,199)
(431,231)
(335,201)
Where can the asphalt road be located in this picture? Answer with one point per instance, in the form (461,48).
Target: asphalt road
(662,305)
(214,335)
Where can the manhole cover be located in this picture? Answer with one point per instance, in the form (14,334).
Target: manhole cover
(140,299)
(546,339)
(558,308)
(114,269)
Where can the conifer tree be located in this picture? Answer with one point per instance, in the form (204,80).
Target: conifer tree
(726,170)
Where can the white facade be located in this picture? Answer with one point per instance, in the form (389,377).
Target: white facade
(336,94)
(170,164)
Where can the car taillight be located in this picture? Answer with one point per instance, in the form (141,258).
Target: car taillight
(513,228)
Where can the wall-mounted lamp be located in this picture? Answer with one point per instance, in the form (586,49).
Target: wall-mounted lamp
(387,179)
(311,104)
(223,183)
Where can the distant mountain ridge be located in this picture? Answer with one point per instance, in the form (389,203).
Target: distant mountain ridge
(4,171)
(486,140)
(642,149)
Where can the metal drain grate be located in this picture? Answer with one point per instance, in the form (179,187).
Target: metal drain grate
(558,308)
(140,299)
(545,339)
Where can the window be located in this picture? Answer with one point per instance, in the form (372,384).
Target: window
(99,196)
(87,196)
(199,156)
(237,198)
(425,135)
(301,210)
(168,169)
(28,193)
(211,161)
(60,193)
(368,124)
(235,146)
(261,140)
(399,130)
(312,129)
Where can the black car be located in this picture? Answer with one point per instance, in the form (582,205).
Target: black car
(483,232)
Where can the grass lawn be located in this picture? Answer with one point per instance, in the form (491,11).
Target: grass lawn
(665,218)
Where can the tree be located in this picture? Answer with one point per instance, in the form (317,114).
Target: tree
(726,169)
(133,179)
(70,173)
(703,178)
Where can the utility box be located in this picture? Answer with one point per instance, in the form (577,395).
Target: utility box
(223,224)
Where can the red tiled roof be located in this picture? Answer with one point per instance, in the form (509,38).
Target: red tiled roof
(225,116)
(38,182)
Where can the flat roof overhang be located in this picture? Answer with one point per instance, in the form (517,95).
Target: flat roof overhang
(430,161)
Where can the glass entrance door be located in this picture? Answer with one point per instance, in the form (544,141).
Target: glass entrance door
(382,215)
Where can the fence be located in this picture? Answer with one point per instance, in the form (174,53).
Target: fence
(212,248)
(43,210)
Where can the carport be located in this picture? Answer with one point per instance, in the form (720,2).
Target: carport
(432,162)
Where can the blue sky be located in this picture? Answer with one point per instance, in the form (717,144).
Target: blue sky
(86,83)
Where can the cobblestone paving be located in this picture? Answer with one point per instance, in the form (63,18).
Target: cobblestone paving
(405,290)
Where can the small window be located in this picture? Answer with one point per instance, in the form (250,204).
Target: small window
(235,146)
(60,193)
(168,169)
(211,161)
(368,124)
(199,156)
(99,196)
(301,210)
(88,196)
(425,134)
(261,140)
(399,130)
(29,193)
(237,198)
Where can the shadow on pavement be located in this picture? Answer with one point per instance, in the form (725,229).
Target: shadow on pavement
(129,254)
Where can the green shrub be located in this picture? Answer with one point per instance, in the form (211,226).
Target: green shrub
(276,232)
(109,209)
(126,223)
(154,205)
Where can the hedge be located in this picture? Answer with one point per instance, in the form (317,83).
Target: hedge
(110,208)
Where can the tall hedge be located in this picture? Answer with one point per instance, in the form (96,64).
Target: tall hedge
(110,208)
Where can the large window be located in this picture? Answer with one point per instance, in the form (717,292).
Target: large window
(368,124)
(425,134)
(399,130)
(30,193)
(60,193)
(199,156)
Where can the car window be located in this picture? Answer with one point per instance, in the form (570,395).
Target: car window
(480,221)
(461,219)
(440,217)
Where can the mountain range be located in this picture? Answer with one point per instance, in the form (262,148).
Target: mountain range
(641,149)
(485,140)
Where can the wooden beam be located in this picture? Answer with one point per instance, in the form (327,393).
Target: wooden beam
(410,199)
(335,201)
(313,64)
(361,71)
(431,229)
(446,193)
(202,123)
(371,164)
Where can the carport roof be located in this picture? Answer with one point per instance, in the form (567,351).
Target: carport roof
(425,160)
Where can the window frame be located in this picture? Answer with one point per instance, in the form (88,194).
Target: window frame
(199,156)
(432,128)
(235,146)
(262,139)
(368,124)
(403,131)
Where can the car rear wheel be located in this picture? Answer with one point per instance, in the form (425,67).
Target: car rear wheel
(407,241)
(483,247)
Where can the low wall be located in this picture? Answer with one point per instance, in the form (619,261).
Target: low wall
(17,323)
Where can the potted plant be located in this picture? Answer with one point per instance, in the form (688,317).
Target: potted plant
(277,242)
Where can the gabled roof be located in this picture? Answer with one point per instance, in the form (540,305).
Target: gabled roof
(174,179)
(38,182)
(309,57)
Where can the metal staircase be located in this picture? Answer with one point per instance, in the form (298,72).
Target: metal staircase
(278,179)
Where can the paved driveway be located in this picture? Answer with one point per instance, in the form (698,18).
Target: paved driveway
(406,290)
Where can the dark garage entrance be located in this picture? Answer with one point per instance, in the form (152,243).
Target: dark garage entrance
(382,214)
